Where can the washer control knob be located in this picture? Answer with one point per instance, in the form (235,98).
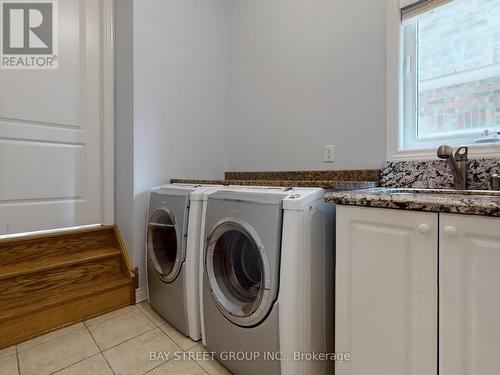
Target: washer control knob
(451,231)
(424,228)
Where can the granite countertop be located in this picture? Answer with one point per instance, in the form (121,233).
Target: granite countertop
(337,175)
(469,202)
(325,184)
(337,180)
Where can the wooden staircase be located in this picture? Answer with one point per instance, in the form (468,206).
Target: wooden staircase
(51,280)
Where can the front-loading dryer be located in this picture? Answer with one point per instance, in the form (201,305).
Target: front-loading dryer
(173,254)
(267,286)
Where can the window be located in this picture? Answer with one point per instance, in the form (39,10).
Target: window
(450,70)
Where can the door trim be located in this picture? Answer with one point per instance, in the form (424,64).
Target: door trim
(107,113)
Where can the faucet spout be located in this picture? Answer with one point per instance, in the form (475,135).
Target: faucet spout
(457,164)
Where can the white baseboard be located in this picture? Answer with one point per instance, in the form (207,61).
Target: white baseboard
(141,294)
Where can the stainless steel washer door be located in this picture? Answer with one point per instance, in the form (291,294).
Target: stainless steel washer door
(238,273)
(164,245)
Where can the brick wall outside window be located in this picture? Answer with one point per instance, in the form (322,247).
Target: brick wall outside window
(459,67)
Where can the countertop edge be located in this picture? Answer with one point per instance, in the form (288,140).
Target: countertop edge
(430,203)
(324,184)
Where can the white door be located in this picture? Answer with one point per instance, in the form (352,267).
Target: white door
(469,274)
(50,131)
(386,291)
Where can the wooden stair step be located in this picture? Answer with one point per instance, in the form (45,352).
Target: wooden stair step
(38,247)
(29,286)
(56,261)
(24,304)
(28,324)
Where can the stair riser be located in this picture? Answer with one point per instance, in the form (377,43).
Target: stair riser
(29,285)
(34,324)
(44,247)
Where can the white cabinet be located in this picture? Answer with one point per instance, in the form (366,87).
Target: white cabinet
(387,304)
(386,284)
(469,275)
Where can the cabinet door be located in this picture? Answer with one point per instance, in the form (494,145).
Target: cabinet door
(469,272)
(386,291)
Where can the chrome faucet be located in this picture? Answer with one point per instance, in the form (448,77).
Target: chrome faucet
(457,163)
(495,182)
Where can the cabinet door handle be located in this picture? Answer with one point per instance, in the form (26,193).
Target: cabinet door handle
(424,228)
(451,231)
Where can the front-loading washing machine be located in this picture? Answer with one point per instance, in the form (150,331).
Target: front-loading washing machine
(173,254)
(268,286)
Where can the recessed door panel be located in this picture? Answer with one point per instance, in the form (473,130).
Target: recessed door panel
(24,166)
(51,96)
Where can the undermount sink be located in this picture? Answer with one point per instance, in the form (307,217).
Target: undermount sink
(476,194)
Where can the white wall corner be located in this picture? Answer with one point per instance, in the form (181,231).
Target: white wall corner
(141,294)
(393,73)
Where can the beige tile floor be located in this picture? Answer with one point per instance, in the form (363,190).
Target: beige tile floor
(118,343)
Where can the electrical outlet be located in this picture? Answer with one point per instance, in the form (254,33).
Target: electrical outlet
(329,154)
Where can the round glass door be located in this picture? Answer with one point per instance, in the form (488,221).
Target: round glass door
(238,273)
(164,245)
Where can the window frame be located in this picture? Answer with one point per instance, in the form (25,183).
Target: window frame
(402,96)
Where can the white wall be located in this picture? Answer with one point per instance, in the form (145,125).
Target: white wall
(304,74)
(251,85)
(124,118)
(180,97)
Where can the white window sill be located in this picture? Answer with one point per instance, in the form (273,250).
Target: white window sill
(491,150)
